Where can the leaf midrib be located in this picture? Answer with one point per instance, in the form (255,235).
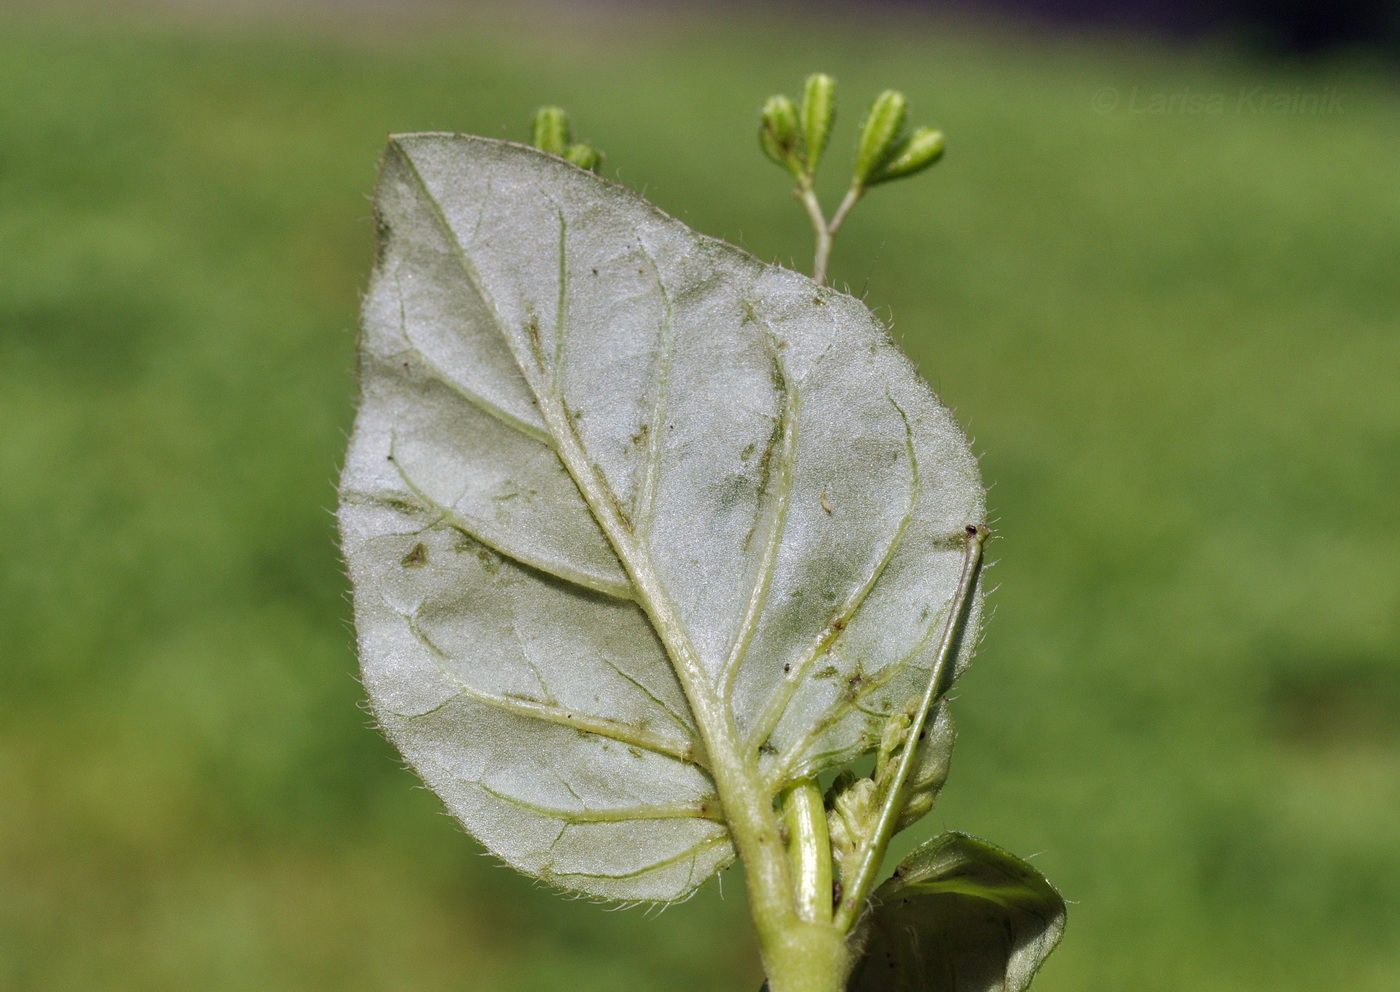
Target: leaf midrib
(650,594)
(749,812)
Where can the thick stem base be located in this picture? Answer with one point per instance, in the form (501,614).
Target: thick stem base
(808,957)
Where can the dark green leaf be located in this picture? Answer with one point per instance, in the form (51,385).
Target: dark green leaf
(960,915)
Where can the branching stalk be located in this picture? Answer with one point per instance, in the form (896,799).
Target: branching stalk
(825,230)
(848,201)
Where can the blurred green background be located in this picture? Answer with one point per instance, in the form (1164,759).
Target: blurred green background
(1175,337)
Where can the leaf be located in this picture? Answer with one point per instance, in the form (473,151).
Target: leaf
(623,503)
(960,915)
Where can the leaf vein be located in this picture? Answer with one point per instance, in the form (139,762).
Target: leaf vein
(782,492)
(778,703)
(599,726)
(707,810)
(790,767)
(480,531)
(693,851)
(661,703)
(475,399)
(661,385)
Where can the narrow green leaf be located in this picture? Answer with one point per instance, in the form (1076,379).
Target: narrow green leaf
(930,774)
(622,502)
(960,915)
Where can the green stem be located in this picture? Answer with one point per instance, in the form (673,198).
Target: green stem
(809,850)
(872,851)
(802,950)
(814,957)
(852,196)
(808,196)
(793,950)
(825,230)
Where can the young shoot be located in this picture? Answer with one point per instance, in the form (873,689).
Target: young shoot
(646,536)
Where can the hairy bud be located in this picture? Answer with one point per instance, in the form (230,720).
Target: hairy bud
(879,133)
(779,134)
(551,130)
(585,157)
(915,154)
(818,113)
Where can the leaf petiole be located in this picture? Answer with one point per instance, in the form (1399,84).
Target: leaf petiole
(809,850)
(872,849)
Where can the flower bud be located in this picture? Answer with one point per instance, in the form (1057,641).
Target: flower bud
(551,131)
(853,816)
(779,134)
(916,153)
(585,157)
(818,112)
(896,729)
(878,134)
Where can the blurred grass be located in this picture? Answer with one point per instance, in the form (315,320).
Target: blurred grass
(1176,339)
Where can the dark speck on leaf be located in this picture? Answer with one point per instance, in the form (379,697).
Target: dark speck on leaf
(416,558)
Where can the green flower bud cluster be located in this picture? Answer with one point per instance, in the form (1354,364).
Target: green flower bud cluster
(854,804)
(884,152)
(878,133)
(852,811)
(552,131)
(795,138)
